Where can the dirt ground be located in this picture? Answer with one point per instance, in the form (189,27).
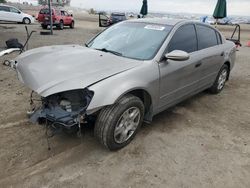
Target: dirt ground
(202,142)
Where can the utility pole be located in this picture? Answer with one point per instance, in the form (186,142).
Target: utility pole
(50,17)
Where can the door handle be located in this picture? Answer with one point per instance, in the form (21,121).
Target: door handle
(197,65)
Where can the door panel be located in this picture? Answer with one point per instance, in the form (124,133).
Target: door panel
(212,53)
(211,64)
(15,15)
(4,13)
(178,79)
(67,18)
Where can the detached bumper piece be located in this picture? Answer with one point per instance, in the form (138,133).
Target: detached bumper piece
(57,118)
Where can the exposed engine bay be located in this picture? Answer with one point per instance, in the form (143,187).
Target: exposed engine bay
(65,111)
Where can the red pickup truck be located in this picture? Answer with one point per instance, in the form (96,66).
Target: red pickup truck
(60,18)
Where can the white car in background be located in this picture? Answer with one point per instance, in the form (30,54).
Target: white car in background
(12,14)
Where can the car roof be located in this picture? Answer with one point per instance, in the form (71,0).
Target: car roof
(162,21)
(118,13)
(4,5)
(53,8)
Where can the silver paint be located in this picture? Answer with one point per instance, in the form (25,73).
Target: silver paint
(54,69)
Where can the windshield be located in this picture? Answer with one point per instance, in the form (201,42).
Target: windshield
(133,40)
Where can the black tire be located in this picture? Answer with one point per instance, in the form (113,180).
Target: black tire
(219,84)
(26,21)
(44,26)
(110,116)
(61,25)
(72,25)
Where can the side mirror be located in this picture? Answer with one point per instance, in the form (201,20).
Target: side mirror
(71,15)
(177,55)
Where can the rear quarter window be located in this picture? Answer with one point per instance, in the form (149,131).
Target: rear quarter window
(218,38)
(206,37)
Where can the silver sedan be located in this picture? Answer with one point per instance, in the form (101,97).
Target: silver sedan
(125,75)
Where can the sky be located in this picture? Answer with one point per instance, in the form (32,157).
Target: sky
(206,7)
(235,7)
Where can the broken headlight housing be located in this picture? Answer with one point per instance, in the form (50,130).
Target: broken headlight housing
(65,110)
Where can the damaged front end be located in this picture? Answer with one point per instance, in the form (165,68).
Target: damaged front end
(63,111)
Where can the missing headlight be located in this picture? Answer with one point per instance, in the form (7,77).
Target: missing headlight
(65,109)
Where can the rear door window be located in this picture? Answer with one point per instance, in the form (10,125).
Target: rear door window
(206,37)
(45,11)
(63,13)
(14,10)
(58,12)
(4,9)
(184,39)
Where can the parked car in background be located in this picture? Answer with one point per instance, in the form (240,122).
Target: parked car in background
(60,18)
(125,75)
(116,17)
(12,14)
(105,21)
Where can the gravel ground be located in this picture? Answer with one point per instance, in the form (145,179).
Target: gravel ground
(202,142)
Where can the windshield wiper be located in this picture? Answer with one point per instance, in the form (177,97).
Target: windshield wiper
(110,51)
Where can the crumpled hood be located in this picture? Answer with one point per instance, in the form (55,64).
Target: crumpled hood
(54,69)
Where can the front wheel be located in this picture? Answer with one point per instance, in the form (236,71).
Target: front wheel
(61,25)
(220,80)
(72,25)
(44,26)
(117,125)
(26,21)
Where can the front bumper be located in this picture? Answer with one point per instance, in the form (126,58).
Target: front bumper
(47,22)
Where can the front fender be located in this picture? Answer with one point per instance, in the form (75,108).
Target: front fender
(108,91)
(105,95)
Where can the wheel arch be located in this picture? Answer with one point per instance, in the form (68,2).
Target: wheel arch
(229,68)
(26,18)
(112,97)
(146,99)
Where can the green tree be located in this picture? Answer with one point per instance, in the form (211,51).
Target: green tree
(2,1)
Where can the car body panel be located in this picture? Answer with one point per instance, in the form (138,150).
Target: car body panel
(178,78)
(57,16)
(117,86)
(16,16)
(47,70)
(55,69)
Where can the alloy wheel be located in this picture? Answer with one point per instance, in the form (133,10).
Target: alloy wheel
(127,125)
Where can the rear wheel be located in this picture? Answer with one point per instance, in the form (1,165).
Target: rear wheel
(44,26)
(117,125)
(61,25)
(26,21)
(220,80)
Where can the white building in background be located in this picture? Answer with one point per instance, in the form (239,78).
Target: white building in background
(55,2)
